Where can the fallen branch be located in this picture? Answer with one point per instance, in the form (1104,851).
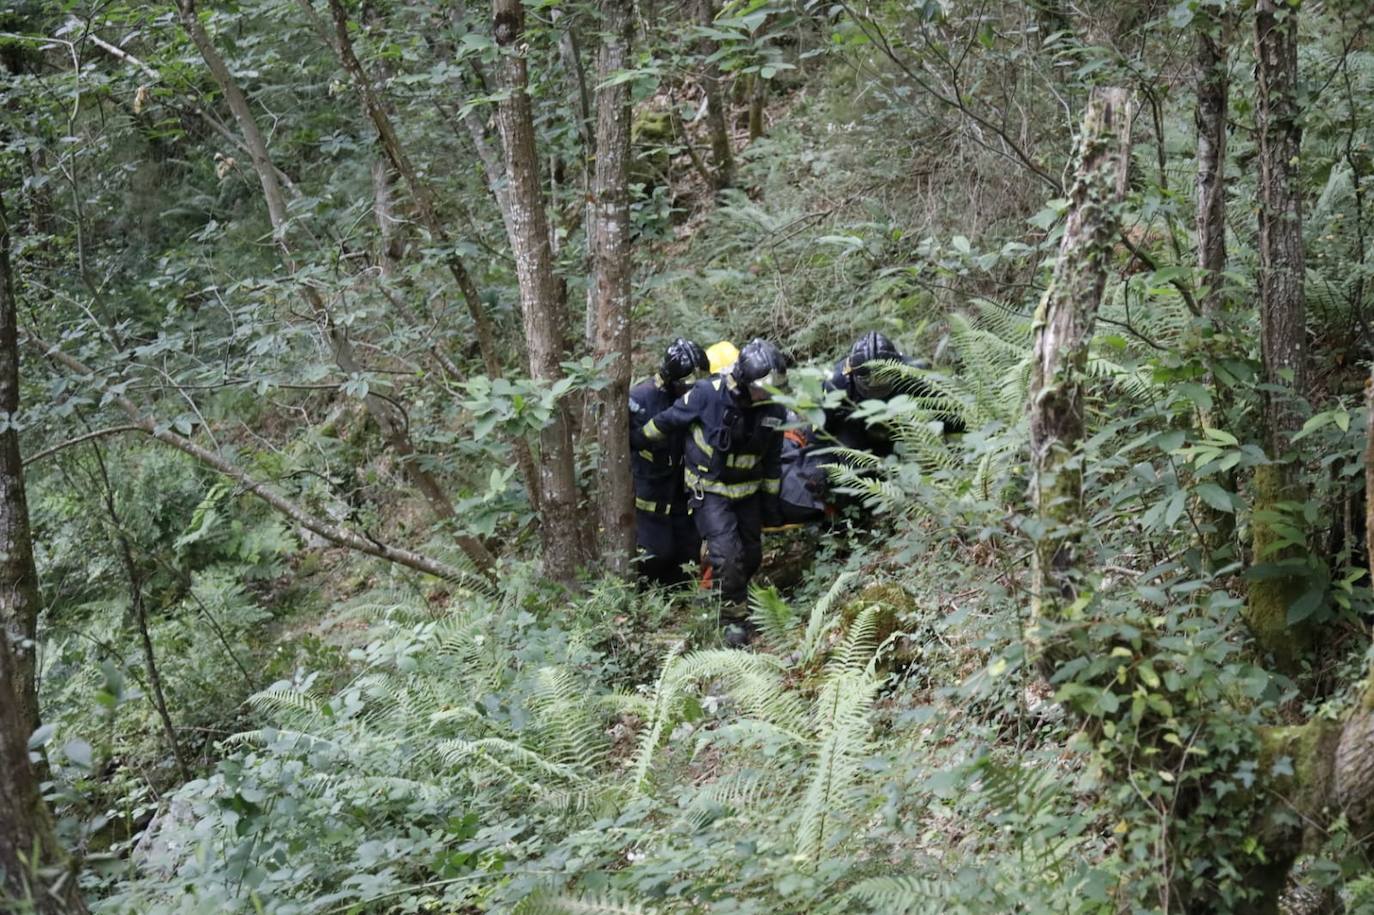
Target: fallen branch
(80,439)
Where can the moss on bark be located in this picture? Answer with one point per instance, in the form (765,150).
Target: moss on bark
(1297,772)
(1266,611)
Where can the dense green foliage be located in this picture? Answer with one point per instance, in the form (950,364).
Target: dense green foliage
(357,737)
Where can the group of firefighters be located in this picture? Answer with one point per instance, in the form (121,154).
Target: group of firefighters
(716,460)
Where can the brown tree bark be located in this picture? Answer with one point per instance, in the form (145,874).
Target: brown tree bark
(722,161)
(388,415)
(1283,332)
(540,298)
(34,869)
(1213,91)
(19,599)
(422,194)
(609,241)
(1063,329)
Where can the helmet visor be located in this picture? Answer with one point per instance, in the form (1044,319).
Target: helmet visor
(870,386)
(773,380)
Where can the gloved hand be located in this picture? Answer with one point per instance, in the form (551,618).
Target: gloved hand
(771,511)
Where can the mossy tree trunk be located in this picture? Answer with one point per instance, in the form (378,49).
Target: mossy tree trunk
(1063,328)
(1332,763)
(717,122)
(1283,333)
(35,872)
(19,600)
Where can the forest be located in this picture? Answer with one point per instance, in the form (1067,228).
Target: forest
(359,357)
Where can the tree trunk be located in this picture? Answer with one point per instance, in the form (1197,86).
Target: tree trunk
(541,303)
(35,872)
(1283,333)
(1331,763)
(34,869)
(19,600)
(389,416)
(1213,89)
(423,196)
(570,53)
(758,97)
(722,162)
(390,243)
(609,241)
(1063,330)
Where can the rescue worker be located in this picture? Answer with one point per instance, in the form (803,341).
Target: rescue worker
(855,375)
(666,536)
(731,469)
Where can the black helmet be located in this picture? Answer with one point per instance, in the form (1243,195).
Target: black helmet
(682,358)
(871,347)
(760,362)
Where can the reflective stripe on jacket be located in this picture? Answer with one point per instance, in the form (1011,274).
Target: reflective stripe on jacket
(657,471)
(730,446)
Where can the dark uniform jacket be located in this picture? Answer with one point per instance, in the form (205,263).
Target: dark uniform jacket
(730,448)
(657,471)
(854,433)
(841,423)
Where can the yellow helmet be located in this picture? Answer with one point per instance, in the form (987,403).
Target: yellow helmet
(722,356)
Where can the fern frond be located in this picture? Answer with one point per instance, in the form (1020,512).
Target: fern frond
(755,681)
(842,713)
(543,903)
(821,620)
(519,764)
(727,795)
(860,645)
(660,715)
(565,721)
(906,895)
(774,618)
(295,706)
(260,737)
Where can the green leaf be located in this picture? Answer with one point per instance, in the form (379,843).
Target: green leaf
(41,736)
(79,752)
(1214,496)
(1305,606)
(1177,503)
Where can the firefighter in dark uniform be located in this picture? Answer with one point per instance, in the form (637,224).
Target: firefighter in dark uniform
(732,450)
(667,538)
(855,376)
